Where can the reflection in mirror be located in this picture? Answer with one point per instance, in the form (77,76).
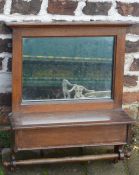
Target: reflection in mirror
(67,68)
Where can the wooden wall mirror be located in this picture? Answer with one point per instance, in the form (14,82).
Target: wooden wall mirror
(67,87)
(53,61)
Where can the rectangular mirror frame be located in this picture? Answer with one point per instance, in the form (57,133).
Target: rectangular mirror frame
(67,29)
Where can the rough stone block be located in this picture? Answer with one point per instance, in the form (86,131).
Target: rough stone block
(132,111)
(1,63)
(62,7)
(5,99)
(97,8)
(5,45)
(4,29)
(26,7)
(132,46)
(2,2)
(126,9)
(130,97)
(130,80)
(2,67)
(134,29)
(135,65)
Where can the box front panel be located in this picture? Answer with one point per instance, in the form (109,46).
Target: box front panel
(70,136)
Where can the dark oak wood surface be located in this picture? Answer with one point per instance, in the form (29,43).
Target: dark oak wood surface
(81,118)
(70,136)
(55,23)
(70,129)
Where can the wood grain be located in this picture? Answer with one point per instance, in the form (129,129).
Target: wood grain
(70,136)
(21,30)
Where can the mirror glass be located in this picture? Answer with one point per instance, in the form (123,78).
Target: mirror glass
(67,68)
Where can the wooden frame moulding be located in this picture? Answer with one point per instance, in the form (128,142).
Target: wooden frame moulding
(117,30)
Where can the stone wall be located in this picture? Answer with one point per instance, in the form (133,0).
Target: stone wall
(72,10)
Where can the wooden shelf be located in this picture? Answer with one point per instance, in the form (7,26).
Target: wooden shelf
(82,118)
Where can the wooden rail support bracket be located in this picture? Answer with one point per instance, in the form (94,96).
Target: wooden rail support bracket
(121,155)
(120,151)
